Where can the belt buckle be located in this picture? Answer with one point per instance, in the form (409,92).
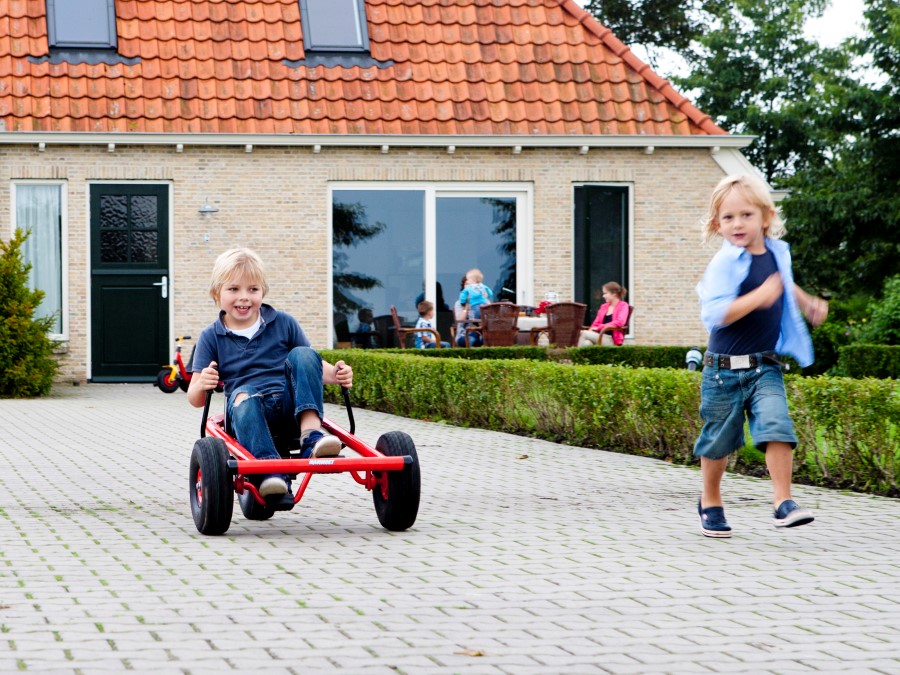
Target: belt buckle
(740,362)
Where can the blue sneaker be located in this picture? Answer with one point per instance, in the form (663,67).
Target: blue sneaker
(789,514)
(319,444)
(712,521)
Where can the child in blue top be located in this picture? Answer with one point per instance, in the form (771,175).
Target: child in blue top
(754,312)
(426,339)
(475,293)
(273,379)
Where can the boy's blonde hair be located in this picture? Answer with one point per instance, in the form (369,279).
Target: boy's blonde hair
(475,274)
(237,263)
(756,192)
(424,307)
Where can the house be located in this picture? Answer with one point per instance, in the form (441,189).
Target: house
(367,149)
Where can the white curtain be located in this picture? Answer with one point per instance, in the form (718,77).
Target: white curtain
(38,208)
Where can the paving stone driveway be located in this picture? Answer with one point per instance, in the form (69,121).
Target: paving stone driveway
(568,561)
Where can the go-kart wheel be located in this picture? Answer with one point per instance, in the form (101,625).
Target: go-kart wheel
(252,509)
(210,486)
(398,510)
(183,384)
(166,382)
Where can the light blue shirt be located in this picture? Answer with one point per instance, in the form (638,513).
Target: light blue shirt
(722,280)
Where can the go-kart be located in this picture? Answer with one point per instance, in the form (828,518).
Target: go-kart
(220,467)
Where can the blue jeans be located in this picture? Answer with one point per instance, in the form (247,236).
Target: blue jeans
(261,419)
(726,396)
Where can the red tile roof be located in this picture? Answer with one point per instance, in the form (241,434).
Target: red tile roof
(500,67)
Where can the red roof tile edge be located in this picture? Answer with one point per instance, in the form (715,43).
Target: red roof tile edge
(621,50)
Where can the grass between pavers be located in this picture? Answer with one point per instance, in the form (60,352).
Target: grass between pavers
(848,429)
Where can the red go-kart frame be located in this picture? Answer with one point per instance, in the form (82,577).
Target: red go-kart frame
(220,466)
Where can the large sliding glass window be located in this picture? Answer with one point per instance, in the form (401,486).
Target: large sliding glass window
(601,241)
(38,209)
(400,245)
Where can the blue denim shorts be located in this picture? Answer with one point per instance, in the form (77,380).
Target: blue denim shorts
(726,396)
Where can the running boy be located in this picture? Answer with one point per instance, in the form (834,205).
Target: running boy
(273,379)
(752,309)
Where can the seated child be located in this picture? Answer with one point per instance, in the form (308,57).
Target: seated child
(426,340)
(273,378)
(475,293)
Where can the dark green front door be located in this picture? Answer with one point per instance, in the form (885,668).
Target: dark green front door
(129,282)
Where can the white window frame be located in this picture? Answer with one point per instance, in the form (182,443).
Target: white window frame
(64,244)
(522,192)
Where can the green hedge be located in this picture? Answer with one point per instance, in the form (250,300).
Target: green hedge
(848,428)
(864,360)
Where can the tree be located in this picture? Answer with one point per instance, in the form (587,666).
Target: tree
(655,24)
(350,227)
(844,210)
(756,74)
(26,353)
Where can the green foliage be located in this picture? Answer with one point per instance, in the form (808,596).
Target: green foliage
(884,326)
(848,428)
(844,325)
(863,360)
(634,356)
(757,74)
(28,367)
(671,24)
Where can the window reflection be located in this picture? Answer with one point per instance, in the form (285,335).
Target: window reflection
(377,257)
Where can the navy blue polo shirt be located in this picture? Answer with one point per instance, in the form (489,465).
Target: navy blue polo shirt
(257,361)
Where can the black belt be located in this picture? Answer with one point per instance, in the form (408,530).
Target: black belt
(739,362)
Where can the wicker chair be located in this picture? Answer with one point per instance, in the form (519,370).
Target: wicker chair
(404,333)
(499,325)
(565,321)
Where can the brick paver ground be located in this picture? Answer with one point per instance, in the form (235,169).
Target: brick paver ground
(527,557)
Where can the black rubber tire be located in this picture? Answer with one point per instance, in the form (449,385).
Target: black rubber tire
(165,382)
(183,384)
(398,512)
(252,509)
(210,486)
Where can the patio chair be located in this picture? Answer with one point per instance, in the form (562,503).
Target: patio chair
(499,325)
(565,321)
(404,332)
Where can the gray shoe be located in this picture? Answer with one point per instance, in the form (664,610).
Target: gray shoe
(273,485)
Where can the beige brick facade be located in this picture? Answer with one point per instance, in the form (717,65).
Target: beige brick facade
(275,200)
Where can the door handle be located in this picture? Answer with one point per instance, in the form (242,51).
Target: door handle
(164,286)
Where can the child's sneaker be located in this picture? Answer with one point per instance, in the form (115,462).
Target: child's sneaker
(319,444)
(273,485)
(789,514)
(712,521)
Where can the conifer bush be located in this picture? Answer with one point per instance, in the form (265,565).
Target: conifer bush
(27,365)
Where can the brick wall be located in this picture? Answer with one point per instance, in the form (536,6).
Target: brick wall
(274,200)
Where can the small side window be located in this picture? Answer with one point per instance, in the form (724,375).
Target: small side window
(334,25)
(82,24)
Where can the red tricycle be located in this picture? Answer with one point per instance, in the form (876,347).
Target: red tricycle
(175,375)
(220,466)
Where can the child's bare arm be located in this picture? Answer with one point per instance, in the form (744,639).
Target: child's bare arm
(815,309)
(339,373)
(201,382)
(761,297)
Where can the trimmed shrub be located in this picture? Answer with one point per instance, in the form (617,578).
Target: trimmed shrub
(862,360)
(848,428)
(25,350)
